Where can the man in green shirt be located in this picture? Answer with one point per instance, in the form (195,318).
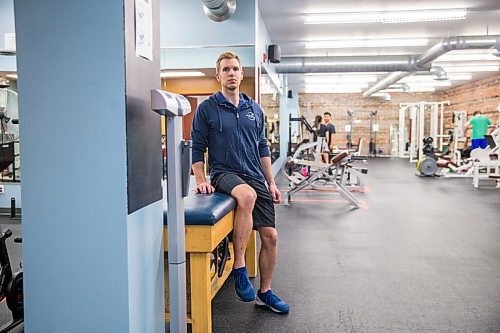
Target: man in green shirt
(480,126)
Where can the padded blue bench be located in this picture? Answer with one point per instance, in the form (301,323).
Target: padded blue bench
(205,209)
(209,219)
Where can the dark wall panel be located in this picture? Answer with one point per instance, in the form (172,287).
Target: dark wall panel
(144,160)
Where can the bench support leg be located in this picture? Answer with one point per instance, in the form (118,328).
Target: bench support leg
(251,255)
(201,308)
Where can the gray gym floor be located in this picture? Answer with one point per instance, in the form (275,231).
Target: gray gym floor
(422,255)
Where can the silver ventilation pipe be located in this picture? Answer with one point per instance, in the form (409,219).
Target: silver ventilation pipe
(292,65)
(444,46)
(459,43)
(386,81)
(219,10)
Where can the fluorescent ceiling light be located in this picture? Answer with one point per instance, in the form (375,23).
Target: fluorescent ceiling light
(338,84)
(431,78)
(468,57)
(376,42)
(340,90)
(416,89)
(471,69)
(387,16)
(181,74)
(346,74)
(340,79)
(422,89)
(429,84)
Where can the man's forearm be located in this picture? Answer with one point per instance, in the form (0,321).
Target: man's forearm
(199,172)
(266,167)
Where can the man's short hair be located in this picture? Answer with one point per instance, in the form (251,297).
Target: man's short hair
(226,55)
(477,112)
(327,113)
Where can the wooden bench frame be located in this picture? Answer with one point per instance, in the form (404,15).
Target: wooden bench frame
(201,240)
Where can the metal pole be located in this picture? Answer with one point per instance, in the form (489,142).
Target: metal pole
(401,134)
(421,125)
(176,226)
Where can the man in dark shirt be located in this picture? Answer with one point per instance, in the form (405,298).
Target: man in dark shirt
(231,125)
(330,129)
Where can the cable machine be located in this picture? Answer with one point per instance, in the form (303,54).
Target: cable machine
(353,123)
(303,121)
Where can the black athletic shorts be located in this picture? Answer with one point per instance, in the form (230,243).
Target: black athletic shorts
(263,211)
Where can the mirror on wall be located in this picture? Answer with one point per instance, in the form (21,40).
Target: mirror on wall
(270,103)
(9,132)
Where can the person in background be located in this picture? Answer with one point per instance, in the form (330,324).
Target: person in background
(479,124)
(330,130)
(317,127)
(231,125)
(321,132)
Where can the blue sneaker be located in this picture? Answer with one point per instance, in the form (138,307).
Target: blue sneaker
(242,285)
(272,301)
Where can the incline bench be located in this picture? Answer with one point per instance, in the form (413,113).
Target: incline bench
(209,219)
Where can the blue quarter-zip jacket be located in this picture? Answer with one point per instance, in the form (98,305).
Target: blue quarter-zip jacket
(233,135)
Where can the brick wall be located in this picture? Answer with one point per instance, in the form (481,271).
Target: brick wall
(483,95)
(339,104)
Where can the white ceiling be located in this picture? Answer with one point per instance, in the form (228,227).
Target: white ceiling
(284,20)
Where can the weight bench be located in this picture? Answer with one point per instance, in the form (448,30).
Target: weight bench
(209,220)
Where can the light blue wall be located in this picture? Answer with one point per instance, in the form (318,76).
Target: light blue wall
(190,58)
(11,190)
(146,268)
(184,24)
(75,225)
(262,40)
(189,39)
(7,63)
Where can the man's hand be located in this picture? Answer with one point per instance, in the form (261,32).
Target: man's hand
(204,188)
(275,193)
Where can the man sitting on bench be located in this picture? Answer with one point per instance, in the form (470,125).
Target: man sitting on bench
(232,126)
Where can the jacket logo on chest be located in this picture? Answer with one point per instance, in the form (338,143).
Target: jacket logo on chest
(251,116)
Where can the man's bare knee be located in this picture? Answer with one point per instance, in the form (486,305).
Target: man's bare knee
(245,196)
(269,238)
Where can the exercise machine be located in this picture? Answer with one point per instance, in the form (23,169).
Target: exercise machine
(334,172)
(303,122)
(434,162)
(11,285)
(410,137)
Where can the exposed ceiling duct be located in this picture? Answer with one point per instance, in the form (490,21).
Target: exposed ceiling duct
(292,65)
(444,46)
(219,10)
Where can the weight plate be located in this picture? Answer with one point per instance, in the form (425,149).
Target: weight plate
(427,166)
